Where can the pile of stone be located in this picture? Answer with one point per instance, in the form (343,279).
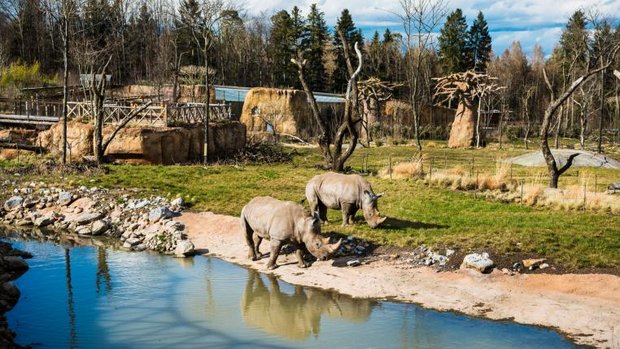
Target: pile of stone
(140,224)
(352,246)
(425,256)
(12,266)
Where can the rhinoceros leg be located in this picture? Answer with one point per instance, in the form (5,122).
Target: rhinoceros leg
(300,257)
(348,211)
(319,206)
(276,245)
(257,242)
(248,232)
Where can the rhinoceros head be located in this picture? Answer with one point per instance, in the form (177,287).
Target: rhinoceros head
(319,246)
(369,209)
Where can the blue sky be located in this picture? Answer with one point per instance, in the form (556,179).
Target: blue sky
(528,21)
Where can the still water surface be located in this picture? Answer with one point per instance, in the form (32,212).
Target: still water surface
(96,297)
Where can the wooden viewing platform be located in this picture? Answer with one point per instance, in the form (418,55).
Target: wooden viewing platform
(42,113)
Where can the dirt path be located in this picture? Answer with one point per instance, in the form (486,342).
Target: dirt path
(586,307)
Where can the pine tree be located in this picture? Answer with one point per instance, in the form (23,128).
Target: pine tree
(346,25)
(574,44)
(191,15)
(298,27)
(452,43)
(282,47)
(375,57)
(479,44)
(315,37)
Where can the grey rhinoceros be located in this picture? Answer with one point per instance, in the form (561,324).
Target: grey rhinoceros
(283,222)
(348,193)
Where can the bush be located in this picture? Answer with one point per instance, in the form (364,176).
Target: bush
(19,75)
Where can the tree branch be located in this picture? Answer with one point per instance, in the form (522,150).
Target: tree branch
(568,164)
(123,123)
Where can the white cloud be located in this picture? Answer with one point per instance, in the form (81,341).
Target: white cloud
(528,21)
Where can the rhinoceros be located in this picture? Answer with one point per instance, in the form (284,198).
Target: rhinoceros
(348,193)
(283,222)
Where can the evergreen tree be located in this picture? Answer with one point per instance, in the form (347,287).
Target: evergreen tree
(375,66)
(315,37)
(479,44)
(452,43)
(298,27)
(190,16)
(282,47)
(573,51)
(347,26)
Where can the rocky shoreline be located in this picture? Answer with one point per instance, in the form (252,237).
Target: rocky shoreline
(12,266)
(139,223)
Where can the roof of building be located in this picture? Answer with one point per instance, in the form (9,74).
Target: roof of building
(237,94)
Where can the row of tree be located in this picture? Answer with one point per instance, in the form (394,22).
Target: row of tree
(153,40)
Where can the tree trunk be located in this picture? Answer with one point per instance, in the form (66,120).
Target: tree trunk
(207,106)
(554,172)
(462,133)
(602,112)
(65,82)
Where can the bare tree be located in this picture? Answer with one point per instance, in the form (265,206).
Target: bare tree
(351,118)
(63,12)
(526,113)
(554,105)
(468,88)
(98,91)
(420,19)
(204,33)
(373,92)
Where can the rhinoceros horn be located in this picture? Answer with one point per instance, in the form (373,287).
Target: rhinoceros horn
(333,247)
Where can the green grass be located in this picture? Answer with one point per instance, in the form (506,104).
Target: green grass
(418,214)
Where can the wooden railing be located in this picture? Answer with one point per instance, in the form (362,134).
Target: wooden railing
(154,115)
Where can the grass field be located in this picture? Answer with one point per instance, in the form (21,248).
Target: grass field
(418,214)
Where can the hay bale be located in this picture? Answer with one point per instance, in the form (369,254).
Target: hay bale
(287,110)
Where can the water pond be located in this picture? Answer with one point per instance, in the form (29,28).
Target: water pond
(97,297)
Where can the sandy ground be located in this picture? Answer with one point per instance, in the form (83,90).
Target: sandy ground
(585,159)
(586,307)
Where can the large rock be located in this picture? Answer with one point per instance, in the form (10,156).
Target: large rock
(16,265)
(79,138)
(479,262)
(99,227)
(65,198)
(463,129)
(159,213)
(184,248)
(13,203)
(88,217)
(44,221)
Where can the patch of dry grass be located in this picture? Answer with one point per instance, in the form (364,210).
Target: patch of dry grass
(405,170)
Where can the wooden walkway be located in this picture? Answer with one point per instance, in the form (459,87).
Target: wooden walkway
(28,120)
(48,113)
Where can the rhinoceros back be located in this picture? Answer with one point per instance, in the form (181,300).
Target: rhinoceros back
(272,218)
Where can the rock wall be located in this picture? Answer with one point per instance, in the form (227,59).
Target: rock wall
(464,125)
(137,145)
(286,109)
(79,139)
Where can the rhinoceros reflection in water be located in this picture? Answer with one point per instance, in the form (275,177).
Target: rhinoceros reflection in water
(295,316)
